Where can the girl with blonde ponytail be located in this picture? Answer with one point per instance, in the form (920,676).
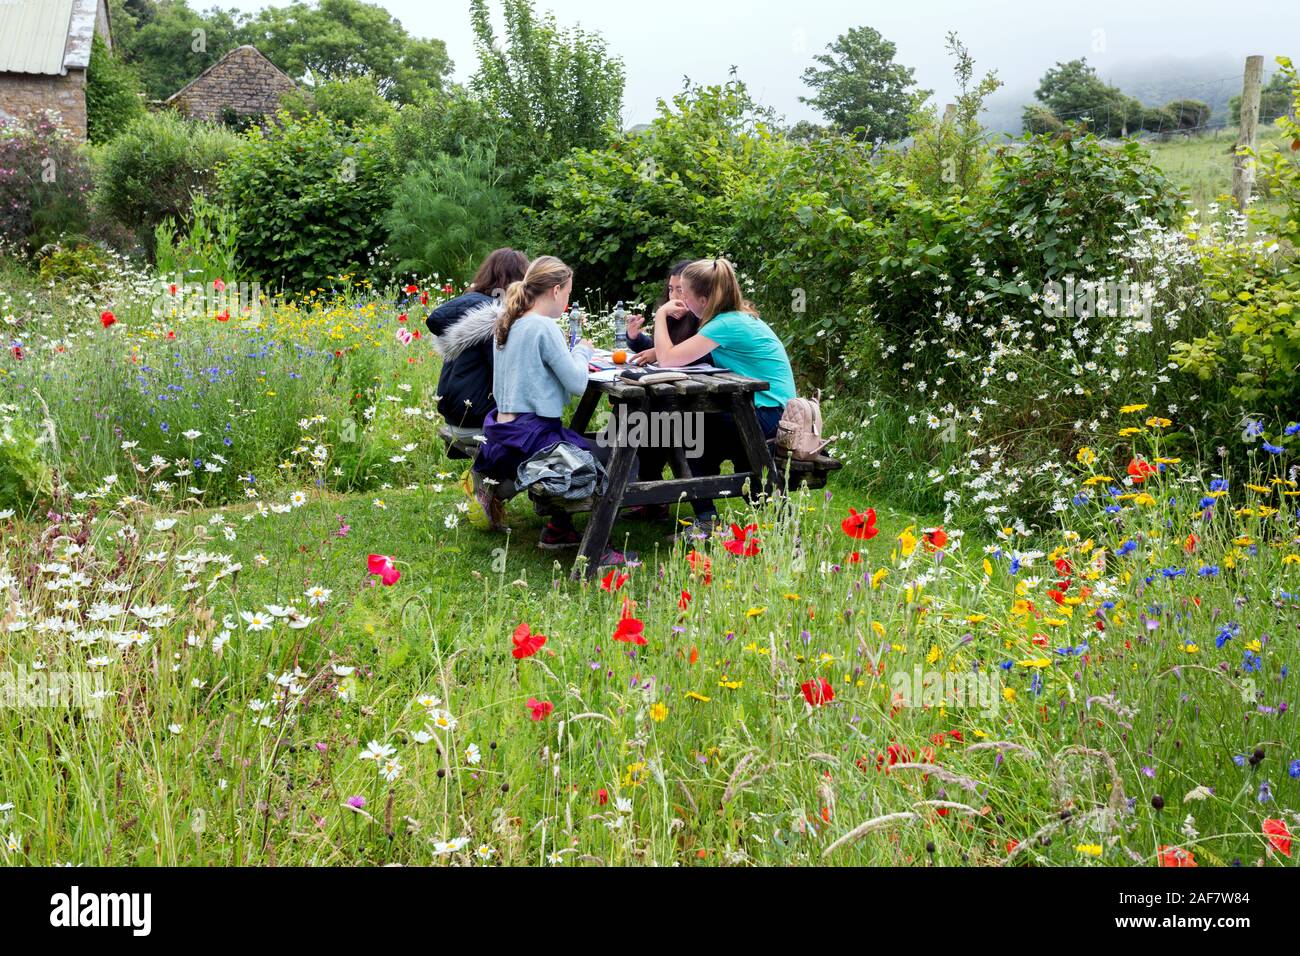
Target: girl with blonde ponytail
(532,378)
(740,342)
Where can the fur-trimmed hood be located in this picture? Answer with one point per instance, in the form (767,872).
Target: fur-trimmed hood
(472,328)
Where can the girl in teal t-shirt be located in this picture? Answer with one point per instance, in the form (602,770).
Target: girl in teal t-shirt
(741,342)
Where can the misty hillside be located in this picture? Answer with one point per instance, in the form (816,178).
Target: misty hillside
(1214,78)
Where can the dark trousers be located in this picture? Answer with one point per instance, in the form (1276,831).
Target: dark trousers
(722,442)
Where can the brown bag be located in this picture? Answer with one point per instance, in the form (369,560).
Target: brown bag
(800,430)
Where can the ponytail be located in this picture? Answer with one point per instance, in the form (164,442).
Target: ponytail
(543,275)
(715,281)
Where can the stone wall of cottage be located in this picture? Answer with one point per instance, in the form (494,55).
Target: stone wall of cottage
(22,94)
(244,82)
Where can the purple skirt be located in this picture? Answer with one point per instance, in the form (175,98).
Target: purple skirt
(510,444)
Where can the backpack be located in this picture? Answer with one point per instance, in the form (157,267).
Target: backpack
(800,430)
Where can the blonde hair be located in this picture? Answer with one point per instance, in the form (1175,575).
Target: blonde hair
(544,274)
(714,280)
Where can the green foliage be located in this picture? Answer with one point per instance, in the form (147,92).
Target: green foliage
(949,153)
(1055,204)
(444,122)
(206,250)
(75,264)
(1189,114)
(355,100)
(112,94)
(1259,290)
(448,213)
(168,44)
(1274,100)
(309,197)
(857,84)
(1074,93)
(25,477)
(621,214)
(44,186)
(152,171)
(553,89)
(342,39)
(1037,119)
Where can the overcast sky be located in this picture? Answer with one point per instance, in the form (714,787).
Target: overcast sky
(771,42)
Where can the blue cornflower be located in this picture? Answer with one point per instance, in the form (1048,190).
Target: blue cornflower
(1173,572)
(1226,634)
(1272,449)
(1219,484)
(1265,792)
(1209,571)
(1239,760)
(1251,662)
(1080,500)
(1293,428)
(1254,428)
(1113,509)
(1127,547)
(1293,769)
(1207,502)
(165,427)
(1006,665)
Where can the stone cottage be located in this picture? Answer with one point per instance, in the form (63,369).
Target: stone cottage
(241,84)
(44,53)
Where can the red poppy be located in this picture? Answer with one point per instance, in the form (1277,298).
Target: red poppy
(17,350)
(701,565)
(684,601)
(613,581)
(1278,835)
(1189,545)
(402,317)
(412,289)
(172,287)
(853,558)
(936,539)
(740,543)
(817,691)
(171,336)
(424,298)
(630,629)
(107,318)
(223,316)
(219,285)
(860,526)
(602,796)
(539,709)
(1175,856)
(1139,470)
(382,565)
(1056,596)
(526,643)
(695,654)
(447,289)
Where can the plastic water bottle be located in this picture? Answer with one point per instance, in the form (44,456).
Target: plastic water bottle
(620,327)
(575,326)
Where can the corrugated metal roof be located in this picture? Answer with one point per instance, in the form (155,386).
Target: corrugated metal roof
(34,35)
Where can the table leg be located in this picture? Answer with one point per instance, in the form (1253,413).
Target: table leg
(760,456)
(586,408)
(596,538)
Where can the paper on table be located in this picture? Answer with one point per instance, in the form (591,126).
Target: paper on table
(604,375)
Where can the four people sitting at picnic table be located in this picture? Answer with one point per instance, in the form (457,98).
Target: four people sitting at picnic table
(508,372)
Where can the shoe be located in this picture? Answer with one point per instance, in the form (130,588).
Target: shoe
(557,539)
(612,558)
(648,513)
(492,506)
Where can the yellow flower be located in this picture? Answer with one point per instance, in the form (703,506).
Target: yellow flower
(878,628)
(1008,693)
(907,541)
(1127,409)
(1254,645)
(691,695)
(1126,432)
(1262,489)
(1086,456)
(1192,648)
(1155,422)
(988,568)
(730,684)
(1089,849)
(755,611)
(976,618)
(1036,662)
(1097,480)
(934,654)
(636,774)
(878,577)
(791,597)
(658,711)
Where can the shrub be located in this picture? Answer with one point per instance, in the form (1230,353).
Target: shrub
(1189,114)
(354,100)
(79,264)
(309,197)
(25,478)
(1039,119)
(1159,120)
(204,251)
(448,213)
(44,183)
(153,170)
(112,94)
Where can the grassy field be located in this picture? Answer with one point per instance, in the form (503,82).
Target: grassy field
(1202,164)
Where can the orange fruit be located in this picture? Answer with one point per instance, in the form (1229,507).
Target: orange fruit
(619,356)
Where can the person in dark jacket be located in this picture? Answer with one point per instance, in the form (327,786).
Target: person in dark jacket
(462,329)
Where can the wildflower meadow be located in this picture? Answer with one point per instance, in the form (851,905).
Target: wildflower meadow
(1047,613)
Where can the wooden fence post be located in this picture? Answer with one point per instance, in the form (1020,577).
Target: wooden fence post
(1243,164)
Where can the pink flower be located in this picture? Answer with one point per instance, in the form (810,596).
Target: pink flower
(382,565)
(356,802)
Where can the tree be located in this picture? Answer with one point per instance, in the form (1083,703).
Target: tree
(341,39)
(1075,93)
(554,89)
(112,94)
(354,101)
(1274,100)
(168,44)
(858,84)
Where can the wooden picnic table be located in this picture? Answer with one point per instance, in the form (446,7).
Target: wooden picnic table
(705,392)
